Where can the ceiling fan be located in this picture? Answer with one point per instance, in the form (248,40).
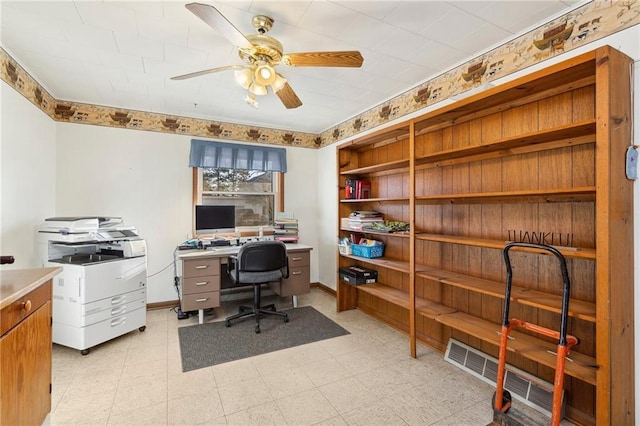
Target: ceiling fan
(261,54)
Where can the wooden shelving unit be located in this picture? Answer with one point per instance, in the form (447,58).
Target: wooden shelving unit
(540,156)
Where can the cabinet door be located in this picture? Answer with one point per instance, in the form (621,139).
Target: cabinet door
(25,397)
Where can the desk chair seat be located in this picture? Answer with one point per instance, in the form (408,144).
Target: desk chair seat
(258,263)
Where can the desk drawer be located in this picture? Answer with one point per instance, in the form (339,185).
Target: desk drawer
(20,309)
(201,267)
(298,259)
(297,283)
(201,284)
(193,302)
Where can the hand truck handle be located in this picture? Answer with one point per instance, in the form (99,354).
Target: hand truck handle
(566,284)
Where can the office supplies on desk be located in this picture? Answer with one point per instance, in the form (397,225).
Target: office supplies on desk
(286,228)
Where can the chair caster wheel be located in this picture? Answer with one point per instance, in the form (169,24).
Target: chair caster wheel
(286,319)
(257,329)
(227,324)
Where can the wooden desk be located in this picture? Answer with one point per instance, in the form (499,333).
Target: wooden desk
(200,276)
(25,345)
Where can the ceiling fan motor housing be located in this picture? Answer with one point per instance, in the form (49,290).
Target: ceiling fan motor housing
(265,48)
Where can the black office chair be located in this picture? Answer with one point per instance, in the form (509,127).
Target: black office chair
(258,263)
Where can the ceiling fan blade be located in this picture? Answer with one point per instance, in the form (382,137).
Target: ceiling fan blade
(347,58)
(289,97)
(218,22)
(204,72)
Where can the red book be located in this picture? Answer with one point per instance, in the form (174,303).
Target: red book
(350,189)
(363,189)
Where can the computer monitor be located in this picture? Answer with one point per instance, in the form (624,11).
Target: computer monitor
(215,219)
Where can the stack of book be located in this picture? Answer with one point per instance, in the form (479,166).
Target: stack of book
(361,219)
(286,228)
(357,189)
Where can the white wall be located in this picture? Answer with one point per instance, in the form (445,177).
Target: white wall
(27,173)
(145,178)
(327,215)
(300,187)
(142,176)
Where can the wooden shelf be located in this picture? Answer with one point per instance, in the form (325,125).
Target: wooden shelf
(384,234)
(382,262)
(529,196)
(578,365)
(568,252)
(537,299)
(400,165)
(563,133)
(375,200)
(431,310)
(398,297)
(382,137)
(393,295)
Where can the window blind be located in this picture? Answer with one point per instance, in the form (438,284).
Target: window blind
(237,156)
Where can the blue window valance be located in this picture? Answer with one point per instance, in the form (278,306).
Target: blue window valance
(237,156)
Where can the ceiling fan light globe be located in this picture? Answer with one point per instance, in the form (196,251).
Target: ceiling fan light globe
(278,83)
(265,74)
(257,89)
(244,77)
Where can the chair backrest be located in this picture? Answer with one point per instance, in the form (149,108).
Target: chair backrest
(261,256)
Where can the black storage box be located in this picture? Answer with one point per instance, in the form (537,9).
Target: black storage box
(356,275)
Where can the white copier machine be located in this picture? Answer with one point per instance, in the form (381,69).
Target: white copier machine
(101,292)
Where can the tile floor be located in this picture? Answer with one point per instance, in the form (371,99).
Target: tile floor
(365,378)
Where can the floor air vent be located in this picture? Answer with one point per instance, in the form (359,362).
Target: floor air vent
(523,386)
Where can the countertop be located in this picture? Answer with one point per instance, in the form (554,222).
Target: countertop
(15,283)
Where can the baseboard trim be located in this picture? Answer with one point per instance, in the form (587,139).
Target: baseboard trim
(163,305)
(324,288)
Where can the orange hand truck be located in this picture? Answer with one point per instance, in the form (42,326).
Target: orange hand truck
(502,398)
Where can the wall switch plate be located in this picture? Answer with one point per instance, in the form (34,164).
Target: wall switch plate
(632,163)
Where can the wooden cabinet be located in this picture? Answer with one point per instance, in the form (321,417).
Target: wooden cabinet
(200,284)
(25,346)
(539,159)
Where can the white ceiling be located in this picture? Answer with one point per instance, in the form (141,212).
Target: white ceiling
(122,54)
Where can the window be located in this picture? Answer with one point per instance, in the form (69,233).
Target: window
(255,194)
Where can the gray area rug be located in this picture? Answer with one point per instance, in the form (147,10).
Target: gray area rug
(203,345)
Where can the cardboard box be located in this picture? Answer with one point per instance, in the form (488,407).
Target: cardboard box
(356,275)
